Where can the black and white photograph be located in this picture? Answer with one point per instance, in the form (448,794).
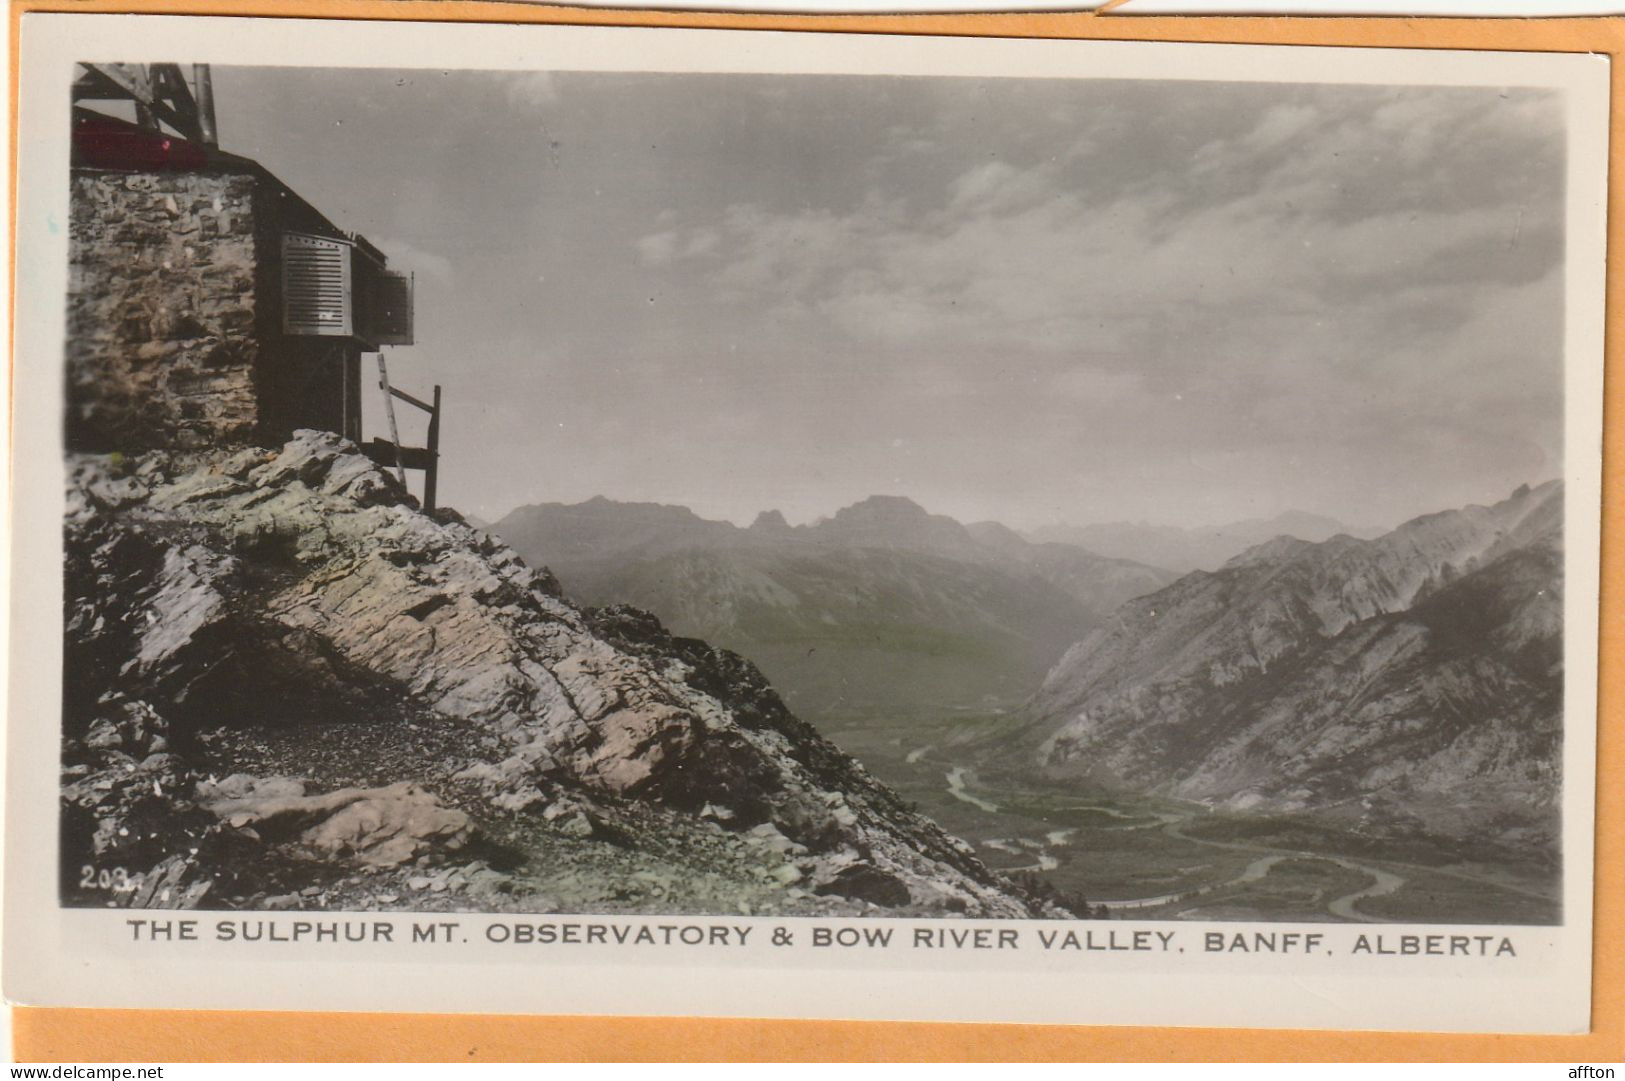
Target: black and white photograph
(1064,496)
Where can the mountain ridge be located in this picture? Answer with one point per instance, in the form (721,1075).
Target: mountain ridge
(881,606)
(1300,674)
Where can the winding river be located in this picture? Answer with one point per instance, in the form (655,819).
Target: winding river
(1344,907)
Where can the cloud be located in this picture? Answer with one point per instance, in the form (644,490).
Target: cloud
(1345,298)
(1333,210)
(1282,124)
(658,249)
(1344,273)
(532,90)
(998,186)
(663,248)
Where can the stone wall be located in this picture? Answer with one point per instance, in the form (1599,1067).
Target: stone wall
(162,339)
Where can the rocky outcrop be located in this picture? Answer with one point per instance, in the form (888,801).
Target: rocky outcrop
(1418,674)
(379,826)
(248,608)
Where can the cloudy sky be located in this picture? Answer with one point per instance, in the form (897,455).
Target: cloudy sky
(1026,300)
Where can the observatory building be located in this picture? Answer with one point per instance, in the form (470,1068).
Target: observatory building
(208,303)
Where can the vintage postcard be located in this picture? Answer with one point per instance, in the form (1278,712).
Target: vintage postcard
(598,520)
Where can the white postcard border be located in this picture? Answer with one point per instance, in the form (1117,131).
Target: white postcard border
(56,956)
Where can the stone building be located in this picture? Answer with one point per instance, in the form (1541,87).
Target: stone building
(208,303)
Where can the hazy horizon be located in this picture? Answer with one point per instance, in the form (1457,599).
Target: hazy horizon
(746,520)
(1027,301)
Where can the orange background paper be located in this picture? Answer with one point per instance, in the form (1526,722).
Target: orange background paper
(68,1035)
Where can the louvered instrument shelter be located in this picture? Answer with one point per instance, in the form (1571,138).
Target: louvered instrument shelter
(337,289)
(317,286)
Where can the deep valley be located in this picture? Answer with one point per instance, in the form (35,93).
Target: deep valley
(1339,728)
(1144,857)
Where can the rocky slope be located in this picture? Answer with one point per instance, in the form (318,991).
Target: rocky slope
(1415,677)
(882,609)
(287,687)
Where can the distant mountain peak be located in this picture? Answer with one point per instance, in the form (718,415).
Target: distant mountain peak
(894,521)
(883,507)
(770,521)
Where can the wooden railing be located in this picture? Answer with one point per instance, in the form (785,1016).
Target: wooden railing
(389,452)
